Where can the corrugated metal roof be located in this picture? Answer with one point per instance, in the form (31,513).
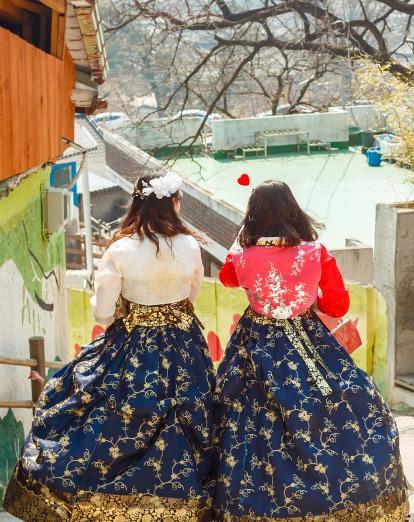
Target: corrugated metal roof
(96,183)
(83,136)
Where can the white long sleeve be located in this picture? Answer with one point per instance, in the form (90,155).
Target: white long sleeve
(108,285)
(197,278)
(131,267)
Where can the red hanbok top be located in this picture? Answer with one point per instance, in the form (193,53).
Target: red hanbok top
(283,281)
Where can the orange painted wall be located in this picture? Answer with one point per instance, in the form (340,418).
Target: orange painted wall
(35,106)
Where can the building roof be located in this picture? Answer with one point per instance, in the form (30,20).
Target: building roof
(85,38)
(338,189)
(83,138)
(96,183)
(85,41)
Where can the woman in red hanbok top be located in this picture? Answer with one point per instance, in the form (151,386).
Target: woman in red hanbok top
(282,281)
(300,431)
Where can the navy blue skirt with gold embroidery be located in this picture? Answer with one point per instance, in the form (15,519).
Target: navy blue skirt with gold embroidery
(301,433)
(123,433)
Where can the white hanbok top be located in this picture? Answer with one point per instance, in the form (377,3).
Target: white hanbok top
(131,267)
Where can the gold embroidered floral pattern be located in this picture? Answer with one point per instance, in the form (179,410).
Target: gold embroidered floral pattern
(129,420)
(38,503)
(35,502)
(300,340)
(272,241)
(301,430)
(140,508)
(293,333)
(179,314)
(393,508)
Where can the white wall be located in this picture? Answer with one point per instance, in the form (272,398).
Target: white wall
(155,134)
(323,126)
(23,318)
(365,117)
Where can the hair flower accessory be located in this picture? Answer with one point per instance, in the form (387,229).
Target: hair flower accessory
(164,186)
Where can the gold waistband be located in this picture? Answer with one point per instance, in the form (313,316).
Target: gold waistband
(264,319)
(180,314)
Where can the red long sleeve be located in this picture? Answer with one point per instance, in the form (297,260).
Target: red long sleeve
(227,275)
(334,298)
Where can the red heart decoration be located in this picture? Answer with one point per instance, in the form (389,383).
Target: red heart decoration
(244,180)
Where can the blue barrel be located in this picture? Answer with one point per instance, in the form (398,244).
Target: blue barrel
(374,157)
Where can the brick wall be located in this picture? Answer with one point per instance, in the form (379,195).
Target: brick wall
(122,163)
(208,220)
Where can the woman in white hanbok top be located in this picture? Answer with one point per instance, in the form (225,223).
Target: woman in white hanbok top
(124,431)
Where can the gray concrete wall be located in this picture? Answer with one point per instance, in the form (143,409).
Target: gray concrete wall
(404,279)
(356,263)
(324,126)
(394,278)
(156,134)
(365,117)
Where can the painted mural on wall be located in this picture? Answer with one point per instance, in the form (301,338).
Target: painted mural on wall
(380,355)
(215,306)
(220,308)
(32,271)
(12,438)
(82,325)
(22,240)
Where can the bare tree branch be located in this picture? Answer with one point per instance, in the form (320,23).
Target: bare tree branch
(239,58)
(398,5)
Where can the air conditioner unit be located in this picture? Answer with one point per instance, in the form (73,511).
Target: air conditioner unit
(54,210)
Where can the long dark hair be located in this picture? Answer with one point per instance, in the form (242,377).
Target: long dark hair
(148,216)
(272,211)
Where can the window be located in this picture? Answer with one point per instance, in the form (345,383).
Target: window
(60,176)
(41,23)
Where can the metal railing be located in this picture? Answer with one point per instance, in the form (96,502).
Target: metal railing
(75,244)
(75,251)
(36,363)
(101,227)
